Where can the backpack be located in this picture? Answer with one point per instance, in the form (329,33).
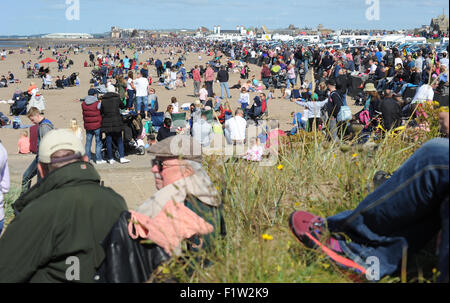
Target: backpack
(364,117)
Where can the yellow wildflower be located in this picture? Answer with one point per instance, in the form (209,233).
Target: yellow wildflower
(334,156)
(434,270)
(354,155)
(325,265)
(267,237)
(280,167)
(278,268)
(165,270)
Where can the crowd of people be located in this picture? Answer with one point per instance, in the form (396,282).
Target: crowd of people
(121,106)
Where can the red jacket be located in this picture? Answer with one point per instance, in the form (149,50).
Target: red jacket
(263,106)
(196,75)
(91,116)
(221,117)
(265,72)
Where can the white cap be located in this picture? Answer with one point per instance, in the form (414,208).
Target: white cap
(59,139)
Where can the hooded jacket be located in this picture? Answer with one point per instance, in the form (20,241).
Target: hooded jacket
(67,215)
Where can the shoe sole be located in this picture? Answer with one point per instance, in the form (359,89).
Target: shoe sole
(345,262)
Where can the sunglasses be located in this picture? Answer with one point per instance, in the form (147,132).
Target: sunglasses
(158,163)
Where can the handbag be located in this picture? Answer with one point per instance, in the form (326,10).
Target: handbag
(345,114)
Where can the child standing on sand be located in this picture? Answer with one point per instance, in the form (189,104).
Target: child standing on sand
(244,98)
(76,129)
(271,94)
(23,145)
(203,94)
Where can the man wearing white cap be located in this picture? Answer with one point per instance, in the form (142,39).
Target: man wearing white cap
(60,222)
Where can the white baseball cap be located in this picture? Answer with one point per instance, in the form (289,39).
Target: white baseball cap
(60,139)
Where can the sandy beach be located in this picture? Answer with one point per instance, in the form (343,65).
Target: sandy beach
(134,181)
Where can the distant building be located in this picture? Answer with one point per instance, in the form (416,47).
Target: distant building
(440,24)
(68,36)
(323,31)
(115,32)
(203,29)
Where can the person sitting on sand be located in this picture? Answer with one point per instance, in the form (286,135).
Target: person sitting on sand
(23,145)
(3,81)
(255,151)
(38,101)
(32,89)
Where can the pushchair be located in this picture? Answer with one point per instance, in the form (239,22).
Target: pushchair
(19,107)
(132,140)
(96,75)
(278,80)
(72,79)
(133,131)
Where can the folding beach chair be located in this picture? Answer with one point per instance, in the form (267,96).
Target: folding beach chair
(179,120)
(209,115)
(157,121)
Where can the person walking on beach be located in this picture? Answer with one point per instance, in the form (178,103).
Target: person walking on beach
(44,126)
(209,79)
(197,81)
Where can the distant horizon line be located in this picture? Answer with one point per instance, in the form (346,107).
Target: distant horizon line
(233,28)
(192,29)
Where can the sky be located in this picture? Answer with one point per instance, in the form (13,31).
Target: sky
(31,17)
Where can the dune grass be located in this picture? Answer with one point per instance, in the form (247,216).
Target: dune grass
(312,174)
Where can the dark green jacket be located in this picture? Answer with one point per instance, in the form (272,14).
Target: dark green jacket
(68,214)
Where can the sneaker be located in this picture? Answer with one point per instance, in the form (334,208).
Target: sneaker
(112,161)
(100,162)
(123,160)
(309,229)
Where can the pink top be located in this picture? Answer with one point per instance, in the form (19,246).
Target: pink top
(196,75)
(209,74)
(24,145)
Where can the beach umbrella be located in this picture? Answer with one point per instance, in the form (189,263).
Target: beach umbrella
(48,60)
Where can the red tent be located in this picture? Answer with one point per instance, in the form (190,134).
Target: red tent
(48,60)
